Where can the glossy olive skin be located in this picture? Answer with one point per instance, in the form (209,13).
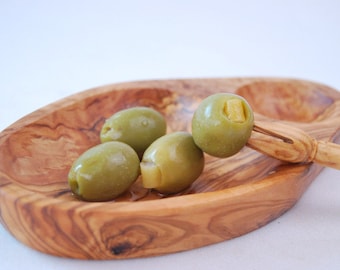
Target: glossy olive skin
(222,124)
(137,126)
(104,171)
(172,163)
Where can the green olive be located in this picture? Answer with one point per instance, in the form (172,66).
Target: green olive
(104,171)
(172,163)
(137,126)
(222,124)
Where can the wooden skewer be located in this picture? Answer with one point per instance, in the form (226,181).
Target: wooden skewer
(292,144)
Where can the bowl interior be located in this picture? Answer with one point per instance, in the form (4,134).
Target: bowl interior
(38,156)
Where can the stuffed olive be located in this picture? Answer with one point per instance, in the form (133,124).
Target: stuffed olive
(222,124)
(104,171)
(137,127)
(172,163)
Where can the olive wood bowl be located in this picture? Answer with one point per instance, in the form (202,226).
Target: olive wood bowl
(232,197)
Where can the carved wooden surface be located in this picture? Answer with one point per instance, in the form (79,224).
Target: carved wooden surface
(232,197)
(292,144)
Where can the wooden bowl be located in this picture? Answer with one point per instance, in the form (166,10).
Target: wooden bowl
(232,197)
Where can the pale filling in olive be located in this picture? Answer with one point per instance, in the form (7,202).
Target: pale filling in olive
(74,186)
(234,110)
(152,176)
(111,133)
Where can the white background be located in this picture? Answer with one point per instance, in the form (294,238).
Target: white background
(51,49)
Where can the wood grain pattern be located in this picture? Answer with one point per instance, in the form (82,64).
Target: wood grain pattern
(232,197)
(292,144)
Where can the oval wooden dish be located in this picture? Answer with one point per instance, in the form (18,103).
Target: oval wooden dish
(232,197)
